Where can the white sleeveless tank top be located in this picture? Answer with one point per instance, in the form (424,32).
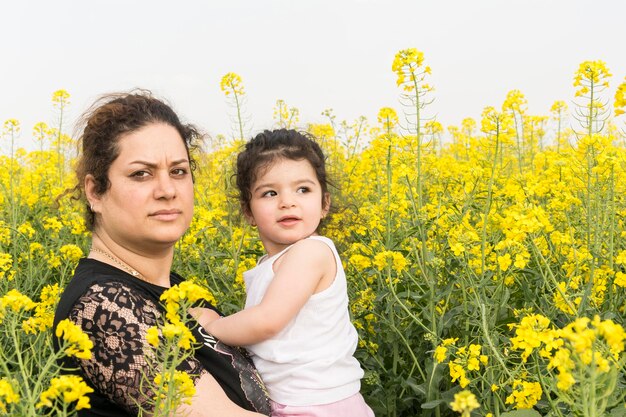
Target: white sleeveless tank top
(311,360)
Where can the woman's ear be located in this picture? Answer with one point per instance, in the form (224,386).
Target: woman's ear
(325,204)
(90,192)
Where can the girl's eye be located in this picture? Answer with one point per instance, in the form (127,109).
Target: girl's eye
(269,193)
(303,190)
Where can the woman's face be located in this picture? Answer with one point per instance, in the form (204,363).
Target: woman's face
(149,205)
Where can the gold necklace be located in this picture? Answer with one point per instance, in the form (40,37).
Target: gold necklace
(120,263)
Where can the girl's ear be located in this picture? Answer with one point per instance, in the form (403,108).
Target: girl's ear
(325,204)
(90,192)
(247,213)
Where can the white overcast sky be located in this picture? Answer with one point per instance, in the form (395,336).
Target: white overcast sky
(312,54)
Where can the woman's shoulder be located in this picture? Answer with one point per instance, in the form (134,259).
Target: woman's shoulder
(90,272)
(96,283)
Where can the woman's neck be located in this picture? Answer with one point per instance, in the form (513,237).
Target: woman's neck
(150,265)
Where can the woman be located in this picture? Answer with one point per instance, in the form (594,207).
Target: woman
(135,174)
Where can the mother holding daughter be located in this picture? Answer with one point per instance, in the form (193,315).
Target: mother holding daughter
(135,177)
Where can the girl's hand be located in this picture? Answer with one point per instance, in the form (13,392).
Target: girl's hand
(204,316)
(308,267)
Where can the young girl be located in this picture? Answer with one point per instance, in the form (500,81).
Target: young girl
(296,322)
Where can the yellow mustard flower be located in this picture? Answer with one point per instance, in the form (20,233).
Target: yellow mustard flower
(7,394)
(180,382)
(44,310)
(71,253)
(525,394)
(66,389)
(590,73)
(231,84)
(464,402)
(76,341)
(620,99)
(60,98)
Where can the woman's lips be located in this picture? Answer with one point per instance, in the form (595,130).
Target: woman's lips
(166,215)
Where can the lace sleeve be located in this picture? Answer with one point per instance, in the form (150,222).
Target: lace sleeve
(116,318)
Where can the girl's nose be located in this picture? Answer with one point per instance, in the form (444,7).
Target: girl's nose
(287,201)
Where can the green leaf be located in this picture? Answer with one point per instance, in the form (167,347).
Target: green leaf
(432,404)
(521,413)
(619,411)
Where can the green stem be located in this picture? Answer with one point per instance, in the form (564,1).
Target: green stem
(240,122)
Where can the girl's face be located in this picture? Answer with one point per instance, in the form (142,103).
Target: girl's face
(287,203)
(149,205)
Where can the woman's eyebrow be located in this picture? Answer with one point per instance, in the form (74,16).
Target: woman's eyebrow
(154,165)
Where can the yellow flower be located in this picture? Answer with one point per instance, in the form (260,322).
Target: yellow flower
(360,262)
(558,107)
(11,127)
(78,343)
(6,261)
(515,102)
(532,331)
(388,118)
(53,260)
(407,64)
(620,99)
(449,341)
(7,394)
(457,372)
(26,229)
(66,389)
(44,310)
(181,383)
(613,333)
(457,248)
(179,332)
(71,253)
(52,223)
(464,402)
(565,380)
(60,98)
(152,336)
(525,394)
(15,301)
(392,259)
(231,83)
(504,261)
(440,354)
(591,73)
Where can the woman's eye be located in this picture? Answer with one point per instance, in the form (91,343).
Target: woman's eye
(179,172)
(140,174)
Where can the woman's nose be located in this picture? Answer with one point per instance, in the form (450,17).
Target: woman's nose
(165,187)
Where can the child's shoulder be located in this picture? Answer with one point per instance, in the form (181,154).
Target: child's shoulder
(311,249)
(312,254)
(315,242)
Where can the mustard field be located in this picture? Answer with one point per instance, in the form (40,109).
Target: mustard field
(486,262)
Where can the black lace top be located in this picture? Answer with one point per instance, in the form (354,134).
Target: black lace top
(115,310)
